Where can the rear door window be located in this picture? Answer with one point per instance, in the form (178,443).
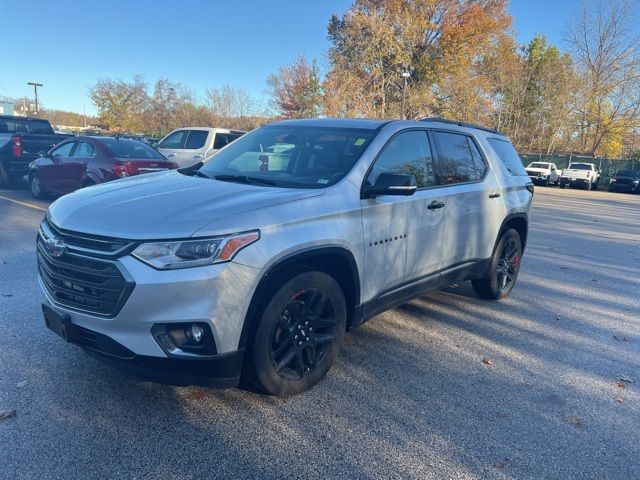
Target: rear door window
(196,139)
(174,140)
(63,150)
(508,156)
(458,161)
(85,150)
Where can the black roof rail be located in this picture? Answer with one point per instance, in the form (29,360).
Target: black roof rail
(460,124)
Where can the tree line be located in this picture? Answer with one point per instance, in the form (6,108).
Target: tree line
(456,59)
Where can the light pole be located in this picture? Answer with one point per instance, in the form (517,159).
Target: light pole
(405,76)
(35,90)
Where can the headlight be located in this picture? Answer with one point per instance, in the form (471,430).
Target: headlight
(193,253)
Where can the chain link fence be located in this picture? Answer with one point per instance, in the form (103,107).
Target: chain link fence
(606,166)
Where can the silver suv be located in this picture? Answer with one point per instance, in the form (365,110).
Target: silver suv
(253,265)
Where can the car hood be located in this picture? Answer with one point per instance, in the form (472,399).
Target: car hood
(162,205)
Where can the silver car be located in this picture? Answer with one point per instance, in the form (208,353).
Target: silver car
(251,266)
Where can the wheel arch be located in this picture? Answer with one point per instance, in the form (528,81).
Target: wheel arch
(338,262)
(519,221)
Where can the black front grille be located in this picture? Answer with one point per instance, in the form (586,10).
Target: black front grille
(88,284)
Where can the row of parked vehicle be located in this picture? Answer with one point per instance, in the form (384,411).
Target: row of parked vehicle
(59,163)
(581,174)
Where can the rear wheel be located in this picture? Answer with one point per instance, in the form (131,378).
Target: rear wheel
(503,272)
(35,186)
(563,185)
(299,334)
(546,182)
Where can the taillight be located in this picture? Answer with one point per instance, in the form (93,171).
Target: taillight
(17,145)
(121,170)
(588,174)
(530,187)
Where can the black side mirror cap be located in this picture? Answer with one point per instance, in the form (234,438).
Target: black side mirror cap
(389,183)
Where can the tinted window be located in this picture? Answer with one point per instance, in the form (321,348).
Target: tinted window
(41,128)
(458,159)
(124,148)
(410,153)
(174,140)
(292,156)
(84,150)
(196,139)
(13,126)
(580,166)
(63,150)
(222,139)
(628,173)
(508,156)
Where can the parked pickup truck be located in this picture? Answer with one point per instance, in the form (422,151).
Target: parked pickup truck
(21,138)
(580,175)
(544,173)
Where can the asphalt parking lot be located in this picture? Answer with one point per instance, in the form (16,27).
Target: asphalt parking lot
(539,385)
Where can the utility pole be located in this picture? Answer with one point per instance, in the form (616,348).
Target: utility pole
(35,90)
(406,73)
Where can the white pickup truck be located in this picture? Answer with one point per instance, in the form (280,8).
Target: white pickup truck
(189,145)
(580,175)
(544,173)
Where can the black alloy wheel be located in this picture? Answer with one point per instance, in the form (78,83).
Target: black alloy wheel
(298,335)
(508,265)
(504,268)
(302,334)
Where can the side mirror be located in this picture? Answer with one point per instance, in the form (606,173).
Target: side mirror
(389,183)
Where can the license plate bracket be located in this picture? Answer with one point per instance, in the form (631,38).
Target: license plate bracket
(60,324)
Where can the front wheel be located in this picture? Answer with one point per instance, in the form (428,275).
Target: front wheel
(299,334)
(563,185)
(35,186)
(503,272)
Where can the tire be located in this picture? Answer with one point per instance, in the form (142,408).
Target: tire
(546,182)
(563,185)
(503,272)
(596,185)
(299,334)
(35,186)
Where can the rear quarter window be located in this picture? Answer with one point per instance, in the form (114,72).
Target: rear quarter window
(508,156)
(41,128)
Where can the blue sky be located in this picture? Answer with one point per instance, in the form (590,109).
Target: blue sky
(201,44)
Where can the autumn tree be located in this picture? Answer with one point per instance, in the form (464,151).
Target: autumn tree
(442,42)
(295,90)
(121,105)
(606,49)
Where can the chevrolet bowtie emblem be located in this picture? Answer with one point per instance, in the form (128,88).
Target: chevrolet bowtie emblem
(55,247)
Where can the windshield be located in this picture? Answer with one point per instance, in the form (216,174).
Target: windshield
(124,148)
(580,166)
(539,165)
(628,173)
(291,156)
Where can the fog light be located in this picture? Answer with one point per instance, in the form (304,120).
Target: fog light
(196,333)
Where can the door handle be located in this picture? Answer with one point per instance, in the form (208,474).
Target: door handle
(435,205)
(198,156)
(494,195)
(171,155)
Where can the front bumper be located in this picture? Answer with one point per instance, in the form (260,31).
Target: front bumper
(218,371)
(217,295)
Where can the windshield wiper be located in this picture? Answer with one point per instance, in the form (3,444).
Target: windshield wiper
(245,179)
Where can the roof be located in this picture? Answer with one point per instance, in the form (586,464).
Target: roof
(18,117)
(366,123)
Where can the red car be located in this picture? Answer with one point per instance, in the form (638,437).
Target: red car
(82,161)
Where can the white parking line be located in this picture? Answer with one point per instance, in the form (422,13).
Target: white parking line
(24,204)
